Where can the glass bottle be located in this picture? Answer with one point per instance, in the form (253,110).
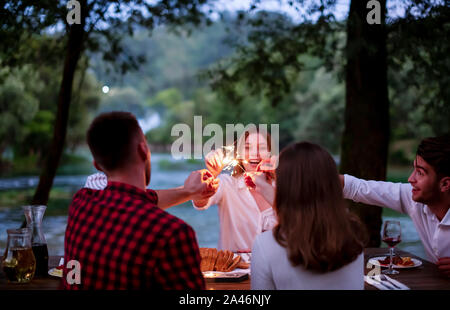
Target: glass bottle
(18,261)
(34,216)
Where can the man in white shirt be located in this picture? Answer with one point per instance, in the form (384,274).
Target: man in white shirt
(426,199)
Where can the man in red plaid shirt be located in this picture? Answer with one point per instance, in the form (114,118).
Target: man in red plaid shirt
(121,236)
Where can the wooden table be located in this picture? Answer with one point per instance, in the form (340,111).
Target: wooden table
(425,277)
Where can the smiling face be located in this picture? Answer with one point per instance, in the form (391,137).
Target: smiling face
(254,150)
(424,182)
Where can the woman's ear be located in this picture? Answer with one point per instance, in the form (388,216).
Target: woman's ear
(444,184)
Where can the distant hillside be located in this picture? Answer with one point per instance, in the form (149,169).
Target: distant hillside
(172,60)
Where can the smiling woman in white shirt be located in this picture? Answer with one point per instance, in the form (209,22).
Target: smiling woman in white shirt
(242,213)
(317,243)
(426,199)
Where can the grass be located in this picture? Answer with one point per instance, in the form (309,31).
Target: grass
(70,164)
(58,202)
(190,164)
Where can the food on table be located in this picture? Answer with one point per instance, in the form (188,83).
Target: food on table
(208,258)
(397,260)
(243,265)
(407,261)
(223,260)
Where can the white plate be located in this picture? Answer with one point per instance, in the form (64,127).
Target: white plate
(374,261)
(56,272)
(246,257)
(236,273)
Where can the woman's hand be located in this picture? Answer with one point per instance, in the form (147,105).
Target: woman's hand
(205,188)
(201,184)
(261,183)
(268,166)
(214,162)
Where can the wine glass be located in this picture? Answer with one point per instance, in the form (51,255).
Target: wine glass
(391,236)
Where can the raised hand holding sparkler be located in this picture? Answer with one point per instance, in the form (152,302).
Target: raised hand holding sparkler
(214,161)
(265,173)
(221,159)
(268,166)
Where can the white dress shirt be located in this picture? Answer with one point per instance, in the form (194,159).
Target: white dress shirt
(96,181)
(435,234)
(272,270)
(239,216)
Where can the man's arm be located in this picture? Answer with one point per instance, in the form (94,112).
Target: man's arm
(396,196)
(172,197)
(199,185)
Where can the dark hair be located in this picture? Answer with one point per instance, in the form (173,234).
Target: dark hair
(111,137)
(314,223)
(436,152)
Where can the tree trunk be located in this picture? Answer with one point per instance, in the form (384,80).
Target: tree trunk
(366,135)
(74,50)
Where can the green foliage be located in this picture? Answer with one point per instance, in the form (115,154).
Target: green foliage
(417,48)
(173,59)
(38,133)
(265,68)
(306,112)
(321,109)
(28,110)
(275,56)
(57,206)
(18,105)
(127,99)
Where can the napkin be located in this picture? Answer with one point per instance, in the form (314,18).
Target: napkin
(378,285)
(397,283)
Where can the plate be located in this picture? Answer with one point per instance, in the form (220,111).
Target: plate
(232,276)
(246,257)
(56,272)
(374,261)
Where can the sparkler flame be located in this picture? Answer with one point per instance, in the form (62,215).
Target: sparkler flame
(229,160)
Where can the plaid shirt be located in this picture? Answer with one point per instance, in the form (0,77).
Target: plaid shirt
(122,240)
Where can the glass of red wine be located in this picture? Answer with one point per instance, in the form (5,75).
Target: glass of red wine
(391,236)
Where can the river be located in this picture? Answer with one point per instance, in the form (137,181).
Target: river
(166,173)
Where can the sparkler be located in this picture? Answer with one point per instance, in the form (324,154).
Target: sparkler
(229,161)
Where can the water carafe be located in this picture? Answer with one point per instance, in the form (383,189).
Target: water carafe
(18,261)
(34,216)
